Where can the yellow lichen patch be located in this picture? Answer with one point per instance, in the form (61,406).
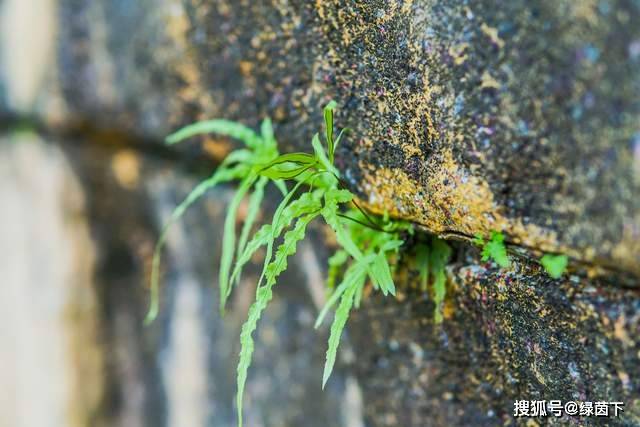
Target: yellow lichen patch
(458,53)
(125,166)
(451,200)
(492,33)
(217,148)
(489,82)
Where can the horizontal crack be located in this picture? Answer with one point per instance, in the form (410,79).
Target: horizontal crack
(201,164)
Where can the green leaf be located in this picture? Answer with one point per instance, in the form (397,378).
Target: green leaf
(338,196)
(280,185)
(438,259)
(321,155)
(355,273)
(359,291)
(261,238)
(328,123)
(339,138)
(494,249)
(422,260)
(381,275)
(276,173)
(229,240)
(252,212)
(297,158)
(264,294)
(221,127)
(389,245)
(554,265)
(221,175)
(266,131)
(339,321)
(330,214)
(283,216)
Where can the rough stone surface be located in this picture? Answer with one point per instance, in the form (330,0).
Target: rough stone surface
(506,336)
(519,116)
(467,117)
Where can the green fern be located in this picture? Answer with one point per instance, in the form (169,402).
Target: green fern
(432,259)
(367,245)
(239,164)
(554,265)
(494,249)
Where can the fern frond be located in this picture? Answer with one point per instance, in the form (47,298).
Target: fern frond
(554,265)
(339,321)
(263,296)
(495,249)
(221,175)
(355,273)
(252,212)
(438,259)
(221,127)
(229,239)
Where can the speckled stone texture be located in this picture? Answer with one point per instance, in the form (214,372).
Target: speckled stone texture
(466,117)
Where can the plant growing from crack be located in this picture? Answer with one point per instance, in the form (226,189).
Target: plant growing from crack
(432,258)
(311,189)
(495,249)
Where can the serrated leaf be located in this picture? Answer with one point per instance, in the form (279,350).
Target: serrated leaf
(229,240)
(381,275)
(219,126)
(339,321)
(554,265)
(495,249)
(354,274)
(330,214)
(283,215)
(335,195)
(221,175)
(261,238)
(263,296)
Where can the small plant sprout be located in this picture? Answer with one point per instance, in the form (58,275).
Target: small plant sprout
(494,249)
(312,189)
(554,265)
(432,259)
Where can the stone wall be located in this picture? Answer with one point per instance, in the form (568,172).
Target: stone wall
(466,117)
